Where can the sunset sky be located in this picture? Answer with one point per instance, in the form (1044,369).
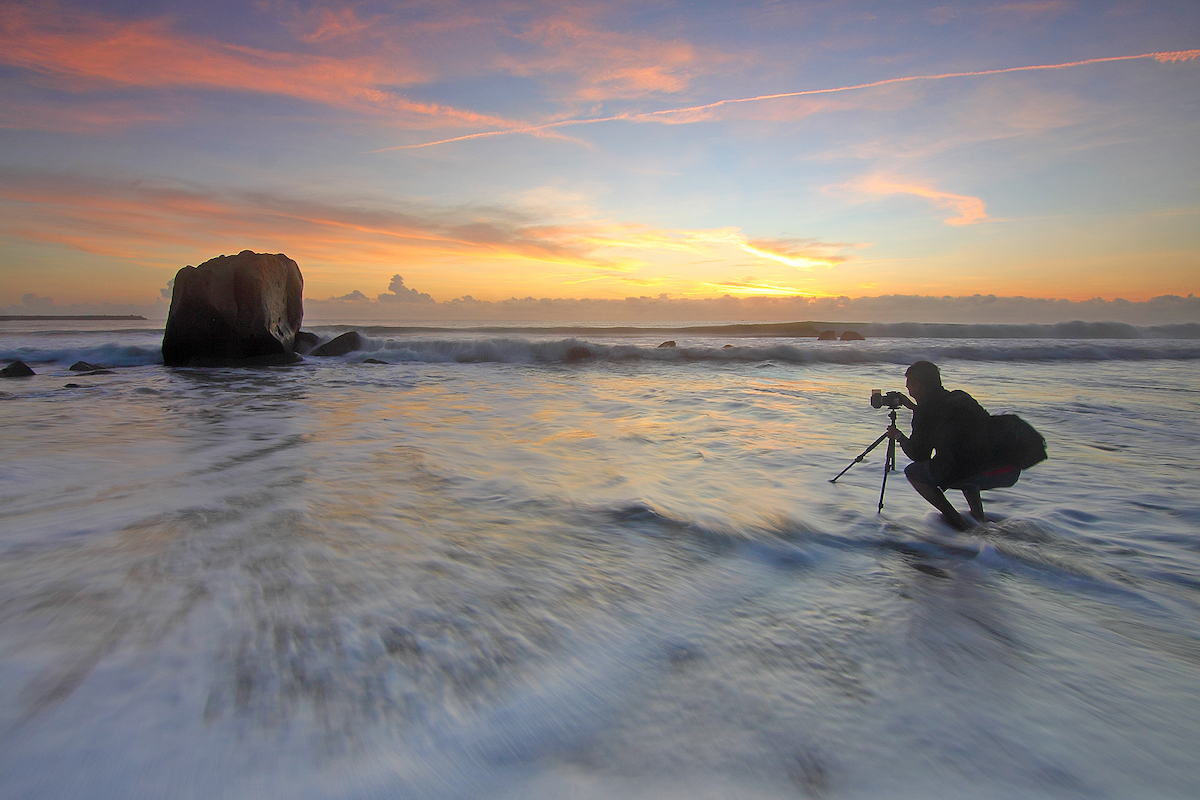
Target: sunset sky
(1041,148)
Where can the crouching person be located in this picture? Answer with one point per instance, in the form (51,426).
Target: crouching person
(951,445)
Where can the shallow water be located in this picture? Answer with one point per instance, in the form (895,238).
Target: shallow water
(484,571)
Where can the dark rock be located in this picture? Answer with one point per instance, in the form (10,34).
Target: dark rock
(667,344)
(578,353)
(852,336)
(727,347)
(305,342)
(827,336)
(83,366)
(348,342)
(235,309)
(373,361)
(72,386)
(17,369)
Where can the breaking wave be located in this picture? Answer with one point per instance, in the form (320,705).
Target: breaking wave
(790,343)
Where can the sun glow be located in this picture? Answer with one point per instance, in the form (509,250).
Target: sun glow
(803,262)
(753,289)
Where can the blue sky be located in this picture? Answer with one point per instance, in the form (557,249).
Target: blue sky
(600,151)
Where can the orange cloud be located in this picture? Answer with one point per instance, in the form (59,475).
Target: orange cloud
(803,254)
(968,210)
(163,224)
(140,219)
(84,51)
(1177,56)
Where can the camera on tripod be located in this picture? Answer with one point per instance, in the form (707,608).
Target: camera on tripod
(891,399)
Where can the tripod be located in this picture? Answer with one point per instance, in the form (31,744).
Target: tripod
(888,465)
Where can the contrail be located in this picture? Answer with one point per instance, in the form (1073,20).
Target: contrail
(1164,57)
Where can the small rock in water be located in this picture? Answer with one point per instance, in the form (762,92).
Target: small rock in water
(667,344)
(578,354)
(852,336)
(727,347)
(17,369)
(348,342)
(83,366)
(305,342)
(373,361)
(827,336)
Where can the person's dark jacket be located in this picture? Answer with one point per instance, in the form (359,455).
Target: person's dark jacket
(954,429)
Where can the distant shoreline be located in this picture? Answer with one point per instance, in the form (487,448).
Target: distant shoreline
(7,317)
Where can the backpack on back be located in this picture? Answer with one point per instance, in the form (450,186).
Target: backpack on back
(1016,442)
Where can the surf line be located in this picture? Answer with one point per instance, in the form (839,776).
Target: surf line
(1168,57)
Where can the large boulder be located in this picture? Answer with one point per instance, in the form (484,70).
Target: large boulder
(235,309)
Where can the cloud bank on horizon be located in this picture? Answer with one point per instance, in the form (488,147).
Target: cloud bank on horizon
(404,304)
(740,156)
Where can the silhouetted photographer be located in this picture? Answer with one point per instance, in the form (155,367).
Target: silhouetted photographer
(956,444)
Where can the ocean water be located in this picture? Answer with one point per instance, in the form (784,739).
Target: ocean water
(493,568)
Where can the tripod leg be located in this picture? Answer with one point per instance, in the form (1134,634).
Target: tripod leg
(860,457)
(889,464)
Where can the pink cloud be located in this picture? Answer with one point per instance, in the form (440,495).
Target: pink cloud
(967,210)
(323,24)
(145,221)
(81,116)
(1177,56)
(705,111)
(601,65)
(82,52)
